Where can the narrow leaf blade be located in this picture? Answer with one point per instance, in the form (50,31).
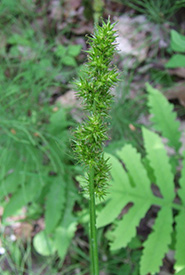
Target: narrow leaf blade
(157,243)
(65,231)
(163,116)
(181,191)
(180,241)
(159,161)
(55,204)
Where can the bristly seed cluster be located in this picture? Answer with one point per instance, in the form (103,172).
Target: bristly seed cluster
(95,93)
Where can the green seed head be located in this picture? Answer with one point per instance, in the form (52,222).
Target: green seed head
(94,90)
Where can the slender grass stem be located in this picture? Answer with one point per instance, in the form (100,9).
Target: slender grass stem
(93,230)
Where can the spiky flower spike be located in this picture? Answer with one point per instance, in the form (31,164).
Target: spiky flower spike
(90,136)
(94,90)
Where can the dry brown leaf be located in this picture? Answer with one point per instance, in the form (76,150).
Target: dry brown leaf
(130,41)
(132,127)
(133,36)
(23,231)
(83,29)
(55,10)
(1,211)
(70,7)
(177,92)
(73,4)
(68,99)
(138,37)
(178,71)
(38,226)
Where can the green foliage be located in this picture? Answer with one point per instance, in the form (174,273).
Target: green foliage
(125,261)
(17,259)
(29,182)
(177,60)
(132,185)
(98,6)
(90,136)
(177,44)
(67,54)
(162,114)
(10,8)
(158,11)
(63,229)
(35,169)
(94,89)
(123,121)
(181,272)
(55,202)
(43,244)
(153,253)
(67,226)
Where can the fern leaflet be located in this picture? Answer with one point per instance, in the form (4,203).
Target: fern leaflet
(159,161)
(163,117)
(132,185)
(160,238)
(181,191)
(180,241)
(55,204)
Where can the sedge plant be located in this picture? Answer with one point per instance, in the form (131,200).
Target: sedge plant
(94,90)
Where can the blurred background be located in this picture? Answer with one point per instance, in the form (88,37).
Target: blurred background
(44,216)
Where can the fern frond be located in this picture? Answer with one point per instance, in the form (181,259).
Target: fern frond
(137,172)
(118,192)
(122,192)
(181,191)
(159,161)
(118,175)
(160,238)
(130,184)
(108,215)
(164,118)
(126,228)
(180,241)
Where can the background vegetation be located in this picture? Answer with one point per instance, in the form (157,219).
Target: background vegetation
(44,214)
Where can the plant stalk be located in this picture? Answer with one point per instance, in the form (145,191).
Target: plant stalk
(93,230)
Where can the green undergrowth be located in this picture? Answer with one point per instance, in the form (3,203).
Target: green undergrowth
(35,164)
(36,170)
(132,184)
(20,258)
(158,11)
(125,114)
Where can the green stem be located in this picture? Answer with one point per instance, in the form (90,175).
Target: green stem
(93,230)
(98,10)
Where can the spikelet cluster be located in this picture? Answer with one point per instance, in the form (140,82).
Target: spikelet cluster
(94,90)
